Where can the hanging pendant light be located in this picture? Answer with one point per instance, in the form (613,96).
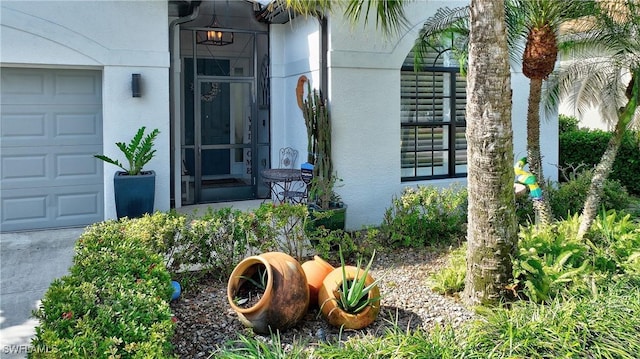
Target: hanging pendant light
(213,35)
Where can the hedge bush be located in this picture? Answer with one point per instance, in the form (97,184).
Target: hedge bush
(568,198)
(114,303)
(587,146)
(426,215)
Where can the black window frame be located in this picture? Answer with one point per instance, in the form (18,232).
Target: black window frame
(416,128)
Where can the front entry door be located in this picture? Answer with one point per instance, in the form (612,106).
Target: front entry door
(219,166)
(225,141)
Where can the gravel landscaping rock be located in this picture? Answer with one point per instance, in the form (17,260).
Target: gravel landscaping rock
(205,320)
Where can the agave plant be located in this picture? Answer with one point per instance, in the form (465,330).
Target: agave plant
(353,295)
(138,152)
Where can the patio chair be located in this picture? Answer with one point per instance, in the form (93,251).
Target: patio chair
(288,157)
(296,191)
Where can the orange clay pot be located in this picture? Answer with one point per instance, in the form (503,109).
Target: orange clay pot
(285,299)
(328,301)
(316,270)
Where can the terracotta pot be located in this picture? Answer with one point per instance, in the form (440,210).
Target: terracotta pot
(316,270)
(285,299)
(327,299)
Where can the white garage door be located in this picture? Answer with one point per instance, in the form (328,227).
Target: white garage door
(51,126)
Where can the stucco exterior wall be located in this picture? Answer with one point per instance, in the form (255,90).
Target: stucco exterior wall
(298,55)
(117,37)
(364,102)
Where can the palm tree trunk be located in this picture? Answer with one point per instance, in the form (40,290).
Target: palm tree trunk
(534,156)
(603,169)
(491,230)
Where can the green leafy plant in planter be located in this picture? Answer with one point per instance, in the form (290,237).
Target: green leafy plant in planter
(349,296)
(138,152)
(354,295)
(322,197)
(134,188)
(254,288)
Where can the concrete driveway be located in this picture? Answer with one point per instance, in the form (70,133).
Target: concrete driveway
(29,262)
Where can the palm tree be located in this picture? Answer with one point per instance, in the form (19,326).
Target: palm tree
(492,224)
(605,72)
(491,229)
(536,23)
(541,21)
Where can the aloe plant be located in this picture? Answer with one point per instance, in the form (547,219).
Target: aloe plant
(262,279)
(354,293)
(138,152)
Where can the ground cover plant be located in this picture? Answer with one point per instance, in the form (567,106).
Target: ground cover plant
(426,215)
(575,298)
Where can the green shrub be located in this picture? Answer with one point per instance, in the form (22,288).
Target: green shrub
(160,230)
(587,146)
(450,279)
(567,123)
(282,228)
(568,198)
(426,215)
(614,240)
(114,302)
(549,260)
(552,262)
(216,241)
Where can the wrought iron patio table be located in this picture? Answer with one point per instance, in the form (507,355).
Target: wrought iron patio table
(286,184)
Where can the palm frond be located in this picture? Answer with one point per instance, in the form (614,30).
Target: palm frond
(600,54)
(447,29)
(390,15)
(315,8)
(591,82)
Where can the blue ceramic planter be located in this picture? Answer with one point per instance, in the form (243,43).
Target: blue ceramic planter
(134,194)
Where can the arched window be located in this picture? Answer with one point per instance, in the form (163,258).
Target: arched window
(432,119)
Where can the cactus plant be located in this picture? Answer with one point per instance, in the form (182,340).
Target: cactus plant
(316,116)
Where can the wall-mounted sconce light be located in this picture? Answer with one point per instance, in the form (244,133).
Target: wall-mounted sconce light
(135,86)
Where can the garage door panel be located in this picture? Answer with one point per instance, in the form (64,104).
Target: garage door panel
(21,166)
(50,129)
(51,87)
(78,204)
(51,207)
(50,125)
(78,166)
(19,207)
(76,126)
(20,85)
(77,88)
(50,166)
(18,127)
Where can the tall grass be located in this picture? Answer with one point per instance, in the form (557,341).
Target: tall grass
(601,326)
(604,325)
